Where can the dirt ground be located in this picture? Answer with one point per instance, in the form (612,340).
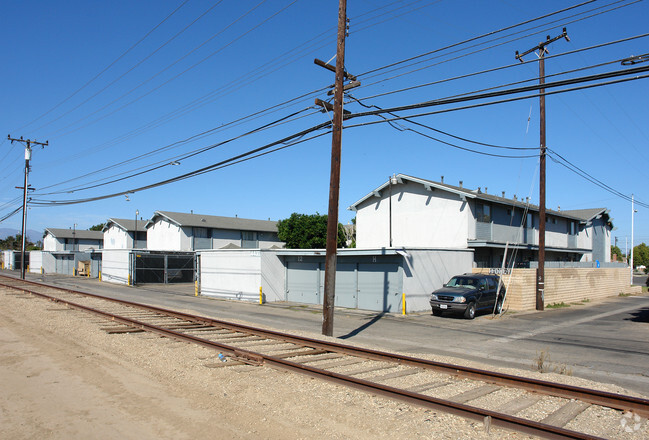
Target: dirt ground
(65,378)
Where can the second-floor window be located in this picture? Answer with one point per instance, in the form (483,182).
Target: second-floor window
(483,213)
(249,240)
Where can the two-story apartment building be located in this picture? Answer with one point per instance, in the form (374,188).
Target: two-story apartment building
(175,231)
(122,233)
(58,240)
(412,212)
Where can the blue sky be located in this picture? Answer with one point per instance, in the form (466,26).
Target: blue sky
(115,86)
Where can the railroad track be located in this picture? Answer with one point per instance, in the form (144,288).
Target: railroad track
(495,399)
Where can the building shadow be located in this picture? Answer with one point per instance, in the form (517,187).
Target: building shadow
(369,323)
(641,315)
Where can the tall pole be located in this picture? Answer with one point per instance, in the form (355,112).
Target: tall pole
(632,215)
(28,155)
(137,212)
(390,208)
(334,185)
(540,271)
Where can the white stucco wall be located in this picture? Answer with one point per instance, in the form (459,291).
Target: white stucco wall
(164,236)
(420,218)
(115,266)
(50,243)
(35,261)
(585,238)
(425,270)
(117,238)
(273,277)
(231,273)
(8,259)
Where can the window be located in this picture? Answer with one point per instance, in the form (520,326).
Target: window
(249,240)
(483,213)
(529,223)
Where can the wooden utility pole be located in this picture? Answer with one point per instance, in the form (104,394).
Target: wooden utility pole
(334,185)
(540,271)
(28,155)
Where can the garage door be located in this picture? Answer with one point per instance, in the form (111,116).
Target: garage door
(379,287)
(65,264)
(345,285)
(302,282)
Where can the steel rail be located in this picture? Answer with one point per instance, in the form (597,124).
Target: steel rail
(488,416)
(620,402)
(616,401)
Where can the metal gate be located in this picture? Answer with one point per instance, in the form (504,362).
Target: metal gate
(164,268)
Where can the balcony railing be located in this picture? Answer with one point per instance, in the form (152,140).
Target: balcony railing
(514,234)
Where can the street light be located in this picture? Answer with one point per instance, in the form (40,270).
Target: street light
(633,211)
(74,237)
(392,180)
(135,233)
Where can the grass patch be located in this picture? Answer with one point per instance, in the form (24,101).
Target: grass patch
(557,305)
(543,364)
(624,294)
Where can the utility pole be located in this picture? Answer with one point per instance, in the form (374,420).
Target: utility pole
(28,155)
(633,211)
(334,185)
(540,271)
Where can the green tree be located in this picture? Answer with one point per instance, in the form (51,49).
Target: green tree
(98,227)
(302,231)
(16,242)
(641,255)
(616,251)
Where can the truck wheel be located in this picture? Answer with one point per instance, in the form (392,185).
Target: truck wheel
(437,312)
(499,307)
(469,313)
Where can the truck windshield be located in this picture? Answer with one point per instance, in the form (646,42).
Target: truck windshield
(462,282)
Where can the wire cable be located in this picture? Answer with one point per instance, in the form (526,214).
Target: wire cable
(106,68)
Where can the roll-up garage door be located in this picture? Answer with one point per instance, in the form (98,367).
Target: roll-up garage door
(379,287)
(302,282)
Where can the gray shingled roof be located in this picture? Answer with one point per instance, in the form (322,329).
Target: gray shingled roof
(127,224)
(79,234)
(586,214)
(216,222)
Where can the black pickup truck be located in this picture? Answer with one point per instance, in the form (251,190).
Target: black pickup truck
(468,294)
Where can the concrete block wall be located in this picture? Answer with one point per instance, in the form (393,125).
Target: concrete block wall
(567,285)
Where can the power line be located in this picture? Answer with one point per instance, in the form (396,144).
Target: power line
(561,83)
(106,68)
(513,65)
(167,81)
(235,159)
(484,144)
(164,163)
(236,122)
(450,46)
(580,172)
